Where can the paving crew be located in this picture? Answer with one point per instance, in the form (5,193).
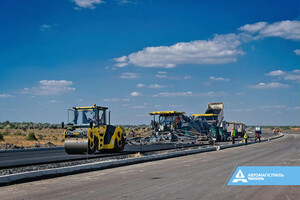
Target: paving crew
(232,135)
(246,137)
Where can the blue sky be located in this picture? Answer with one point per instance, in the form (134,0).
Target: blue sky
(138,56)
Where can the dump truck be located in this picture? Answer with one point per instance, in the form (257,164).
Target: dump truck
(241,127)
(213,121)
(87,131)
(232,125)
(175,125)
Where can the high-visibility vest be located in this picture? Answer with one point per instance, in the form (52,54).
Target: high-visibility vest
(246,136)
(233,133)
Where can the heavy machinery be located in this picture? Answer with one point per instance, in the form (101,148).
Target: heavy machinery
(87,131)
(232,125)
(241,127)
(175,126)
(213,121)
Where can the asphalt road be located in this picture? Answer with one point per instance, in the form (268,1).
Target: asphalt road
(8,159)
(199,176)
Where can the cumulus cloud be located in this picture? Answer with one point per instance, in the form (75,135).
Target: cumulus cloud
(272,85)
(297,52)
(253,28)
(287,75)
(5,96)
(218,79)
(285,29)
(276,73)
(221,49)
(90,4)
(50,87)
(135,94)
(129,75)
(188,94)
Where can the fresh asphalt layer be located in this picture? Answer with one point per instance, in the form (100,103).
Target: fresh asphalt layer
(199,176)
(12,158)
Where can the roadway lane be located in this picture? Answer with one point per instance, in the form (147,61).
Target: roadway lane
(199,176)
(8,159)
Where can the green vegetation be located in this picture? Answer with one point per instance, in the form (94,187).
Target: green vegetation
(31,136)
(1,137)
(27,125)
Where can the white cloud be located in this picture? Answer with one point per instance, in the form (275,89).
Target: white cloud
(218,79)
(45,27)
(90,4)
(297,107)
(135,94)
(276,73)
(116,99)
(50,87)
(5,96)
(140,85)
(187,77)
(287,75)
(253,28)
(121,64)
(297,52)
(129,75)
(156,86)
(284,29)
(151,86)
(52,101)
(221,49)
(292,77)
(187,94)
(272,85)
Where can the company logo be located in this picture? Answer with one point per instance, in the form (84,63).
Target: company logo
(240,177)
(266,175)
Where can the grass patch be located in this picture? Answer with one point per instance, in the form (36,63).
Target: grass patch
(31,137)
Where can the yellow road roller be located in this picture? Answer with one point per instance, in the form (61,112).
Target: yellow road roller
(88,132)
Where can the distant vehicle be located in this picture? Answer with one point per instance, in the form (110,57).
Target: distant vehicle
(276,131)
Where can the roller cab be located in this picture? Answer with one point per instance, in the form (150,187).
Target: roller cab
(87,131)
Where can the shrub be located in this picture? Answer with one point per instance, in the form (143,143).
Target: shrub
(31,136)
(63,140)
(18,133)
(6,132)
(41,137)
(1,137)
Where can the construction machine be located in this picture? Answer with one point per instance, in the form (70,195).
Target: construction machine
(87,131)
(213,121)
(175,125)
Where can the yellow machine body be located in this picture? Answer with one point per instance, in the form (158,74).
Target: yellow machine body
(94,137)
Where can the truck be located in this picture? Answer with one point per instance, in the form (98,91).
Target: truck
(213,121)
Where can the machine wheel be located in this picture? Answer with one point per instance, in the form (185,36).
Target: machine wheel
(119,145)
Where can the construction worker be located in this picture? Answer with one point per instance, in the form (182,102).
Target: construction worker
(246,137)
(232,135)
